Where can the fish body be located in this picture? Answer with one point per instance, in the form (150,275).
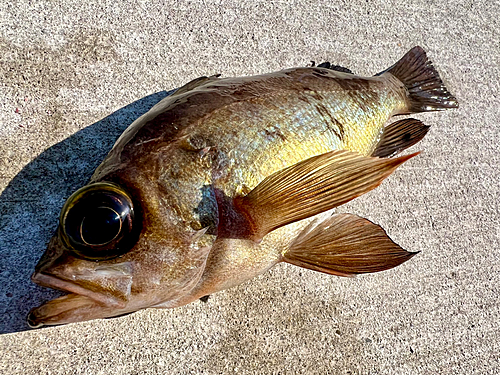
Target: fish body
(227,177)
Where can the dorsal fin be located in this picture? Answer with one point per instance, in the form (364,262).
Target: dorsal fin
(338,68)
(195,83)
(398,136)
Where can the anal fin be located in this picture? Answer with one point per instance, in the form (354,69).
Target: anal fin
(400,135)
(345,245)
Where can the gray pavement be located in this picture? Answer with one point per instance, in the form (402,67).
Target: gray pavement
(74,74)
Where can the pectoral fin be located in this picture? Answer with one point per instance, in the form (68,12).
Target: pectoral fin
(310,187)
(345,245)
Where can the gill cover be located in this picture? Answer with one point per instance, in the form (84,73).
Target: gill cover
(97,221)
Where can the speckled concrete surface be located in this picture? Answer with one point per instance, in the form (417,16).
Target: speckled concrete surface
(75,74)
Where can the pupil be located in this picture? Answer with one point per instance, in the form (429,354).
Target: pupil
(100,226)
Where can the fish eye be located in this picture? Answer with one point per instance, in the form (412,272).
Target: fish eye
(97,221)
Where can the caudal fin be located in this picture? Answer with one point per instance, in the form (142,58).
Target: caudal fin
(426,91)
(345,245)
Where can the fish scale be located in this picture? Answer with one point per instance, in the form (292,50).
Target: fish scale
(305,130)
(227,177)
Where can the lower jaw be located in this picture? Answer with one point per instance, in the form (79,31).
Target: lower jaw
(56,283)
(79,305)
(66,309)
(73,308)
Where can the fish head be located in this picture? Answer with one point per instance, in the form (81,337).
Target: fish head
(122,245)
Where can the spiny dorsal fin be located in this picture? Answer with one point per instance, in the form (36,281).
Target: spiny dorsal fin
(310,187)
(205,298)
(345,245)
(398,136)
(195,83)
(338,68)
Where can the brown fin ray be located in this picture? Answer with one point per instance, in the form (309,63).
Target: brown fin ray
(400,135)
(200,81)
(338,68)
(426,90)
(204,299)
(345,245)
(310,187)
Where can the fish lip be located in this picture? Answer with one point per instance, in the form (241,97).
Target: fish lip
(32,321)
(45,280)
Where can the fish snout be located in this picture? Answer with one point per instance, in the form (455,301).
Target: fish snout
(71,308)
(55,250)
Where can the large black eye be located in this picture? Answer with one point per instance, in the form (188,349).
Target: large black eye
(97,220)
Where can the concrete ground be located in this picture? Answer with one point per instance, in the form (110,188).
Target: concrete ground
(74,74)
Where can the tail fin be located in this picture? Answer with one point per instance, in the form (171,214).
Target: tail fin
(426,91)
(345,245)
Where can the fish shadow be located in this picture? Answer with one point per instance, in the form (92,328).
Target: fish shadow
(30,205)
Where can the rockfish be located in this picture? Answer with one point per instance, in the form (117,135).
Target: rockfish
(227,177)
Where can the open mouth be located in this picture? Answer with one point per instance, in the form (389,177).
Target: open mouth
(56,283)
(70,308)
(57,310)
(49,313)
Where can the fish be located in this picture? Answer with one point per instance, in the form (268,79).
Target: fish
(227,177)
